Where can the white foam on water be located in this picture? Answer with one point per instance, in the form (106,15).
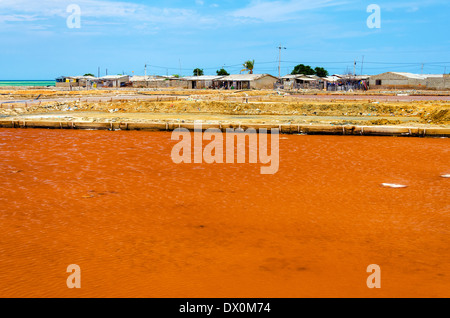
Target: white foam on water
(394,186)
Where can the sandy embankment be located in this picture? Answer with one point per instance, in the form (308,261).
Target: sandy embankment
(223,106)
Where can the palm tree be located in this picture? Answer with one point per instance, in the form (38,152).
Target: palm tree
(249,65)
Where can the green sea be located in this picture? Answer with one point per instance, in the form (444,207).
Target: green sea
(27,83)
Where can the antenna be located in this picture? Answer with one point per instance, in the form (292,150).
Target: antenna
(279,59)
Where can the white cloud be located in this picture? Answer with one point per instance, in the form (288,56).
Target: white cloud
(275,11)
(100,10)
(411,6)
(18,18)
(49,8)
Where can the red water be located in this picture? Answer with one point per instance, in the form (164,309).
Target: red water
(140,226)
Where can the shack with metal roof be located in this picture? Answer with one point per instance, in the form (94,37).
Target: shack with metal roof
(75,81)
(203,81)
(248,81)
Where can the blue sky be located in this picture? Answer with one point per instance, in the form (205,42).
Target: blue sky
(123,36)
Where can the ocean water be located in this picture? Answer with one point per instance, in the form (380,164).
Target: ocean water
(27,83)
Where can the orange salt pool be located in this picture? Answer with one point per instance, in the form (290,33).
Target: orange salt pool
(140,226)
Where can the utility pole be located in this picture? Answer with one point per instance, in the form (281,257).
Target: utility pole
(362,65)
(146,71)
(106,72)
(98,71)
(354,68)
(421,72)
(445,71)
(180,67)
(279,60)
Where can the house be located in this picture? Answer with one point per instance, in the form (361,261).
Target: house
(247,81)
(347,82)
(145,81)
(288,81)
(156,81)
(410,80)
(113,81)
(301,81)
(204,81)
(75,81)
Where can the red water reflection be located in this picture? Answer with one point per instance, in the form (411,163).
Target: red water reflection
(141,226)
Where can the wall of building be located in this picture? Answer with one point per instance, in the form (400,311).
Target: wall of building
(266,82)
(389,80)
(162,84)
(439,83)
(200,84)
(400,82)
(288,84)
(71,84)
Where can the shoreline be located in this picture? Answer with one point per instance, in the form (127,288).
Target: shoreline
(344,130)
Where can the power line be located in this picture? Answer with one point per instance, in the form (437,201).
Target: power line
(277,64)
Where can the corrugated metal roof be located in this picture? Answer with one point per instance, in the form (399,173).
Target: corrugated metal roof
(414,76)
(332,78)
(113,77)
(434,75)
(291,76)
(302,77)
(202,78)
(353,77)
(409,75)
(138,78)
(79,77)
(307,79)
(245,77)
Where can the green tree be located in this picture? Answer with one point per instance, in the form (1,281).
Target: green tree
(222,72)
(303,69)
(198,72)
(321,72)
(249,66)
(89,74)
